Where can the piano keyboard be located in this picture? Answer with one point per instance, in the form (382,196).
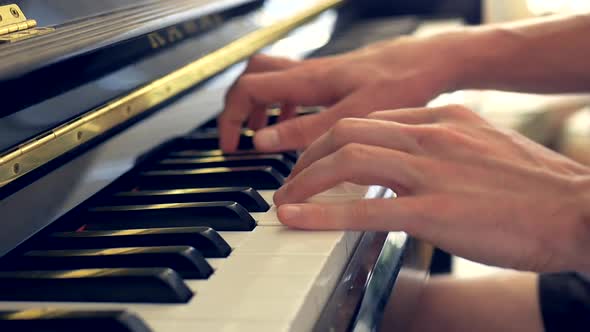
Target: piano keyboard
(187,241)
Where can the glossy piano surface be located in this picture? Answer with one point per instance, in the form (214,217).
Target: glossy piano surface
(341,272)
(101,57)
(37,204)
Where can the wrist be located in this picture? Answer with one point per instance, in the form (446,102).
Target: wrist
(484,58)
(582,253)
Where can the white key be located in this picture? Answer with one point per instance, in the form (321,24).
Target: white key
(276,279)
(216,263)
(234,239)
(279,240)
(274,264)
(267,195)
(282,240)
(268,218)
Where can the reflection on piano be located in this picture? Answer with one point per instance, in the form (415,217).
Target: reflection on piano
(118,211)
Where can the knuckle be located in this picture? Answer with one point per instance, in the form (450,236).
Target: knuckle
(322,212)
(340,132)
(361,211)
(254,62)
(293,129)
(456,111)
(376,115)
(426,137)
(350,154)
(431,136)
(243,82)
(239,86)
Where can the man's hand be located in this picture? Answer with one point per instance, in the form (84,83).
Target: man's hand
(547,55)
(476,191)
(406,72)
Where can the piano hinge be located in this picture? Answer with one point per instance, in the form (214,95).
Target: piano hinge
(14,25)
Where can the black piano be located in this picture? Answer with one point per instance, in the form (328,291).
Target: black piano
(118,212)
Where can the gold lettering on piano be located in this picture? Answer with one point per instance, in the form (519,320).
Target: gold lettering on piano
(209,21)
(174,34)
(217,19)
(190,27)
(156,40)
(179,32)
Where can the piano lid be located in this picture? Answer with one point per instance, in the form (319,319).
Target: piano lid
(179,68)
(83,47)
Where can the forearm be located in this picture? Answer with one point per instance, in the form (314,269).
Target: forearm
(580,233)
(548,55)
(492,303)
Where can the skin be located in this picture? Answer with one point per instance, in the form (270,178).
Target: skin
(498,302)
(446,163)
(475,190)
(464,186)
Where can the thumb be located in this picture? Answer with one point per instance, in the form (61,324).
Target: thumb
(365,214)
(293,134)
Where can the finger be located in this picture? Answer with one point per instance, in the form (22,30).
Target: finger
(259,90)
(428,115)
(288,111)
(359,164)
(231,126)
(262,63)
(399,214)
(292,134)
(380,133)
(436,219)
(410,116)
(265,63)
(301,131)
(258,119)
(465,226)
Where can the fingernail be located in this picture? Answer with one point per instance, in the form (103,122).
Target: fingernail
(267,139)
(288,212)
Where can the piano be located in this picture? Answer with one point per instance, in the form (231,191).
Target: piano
(118,212)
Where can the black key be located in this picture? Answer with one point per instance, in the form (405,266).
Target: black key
(208,140)
(221,216)
(273,114)
(154,285)
(191,153)
(204,239)
(211,124)
(247,197)
(186,261)
(277,161)
(258,177)
(59,320)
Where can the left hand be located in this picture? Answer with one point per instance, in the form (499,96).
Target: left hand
(479,192)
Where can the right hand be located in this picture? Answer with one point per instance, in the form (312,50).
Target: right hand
(406,72)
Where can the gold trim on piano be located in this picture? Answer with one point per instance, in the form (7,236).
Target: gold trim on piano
(14,26)
(55,143)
